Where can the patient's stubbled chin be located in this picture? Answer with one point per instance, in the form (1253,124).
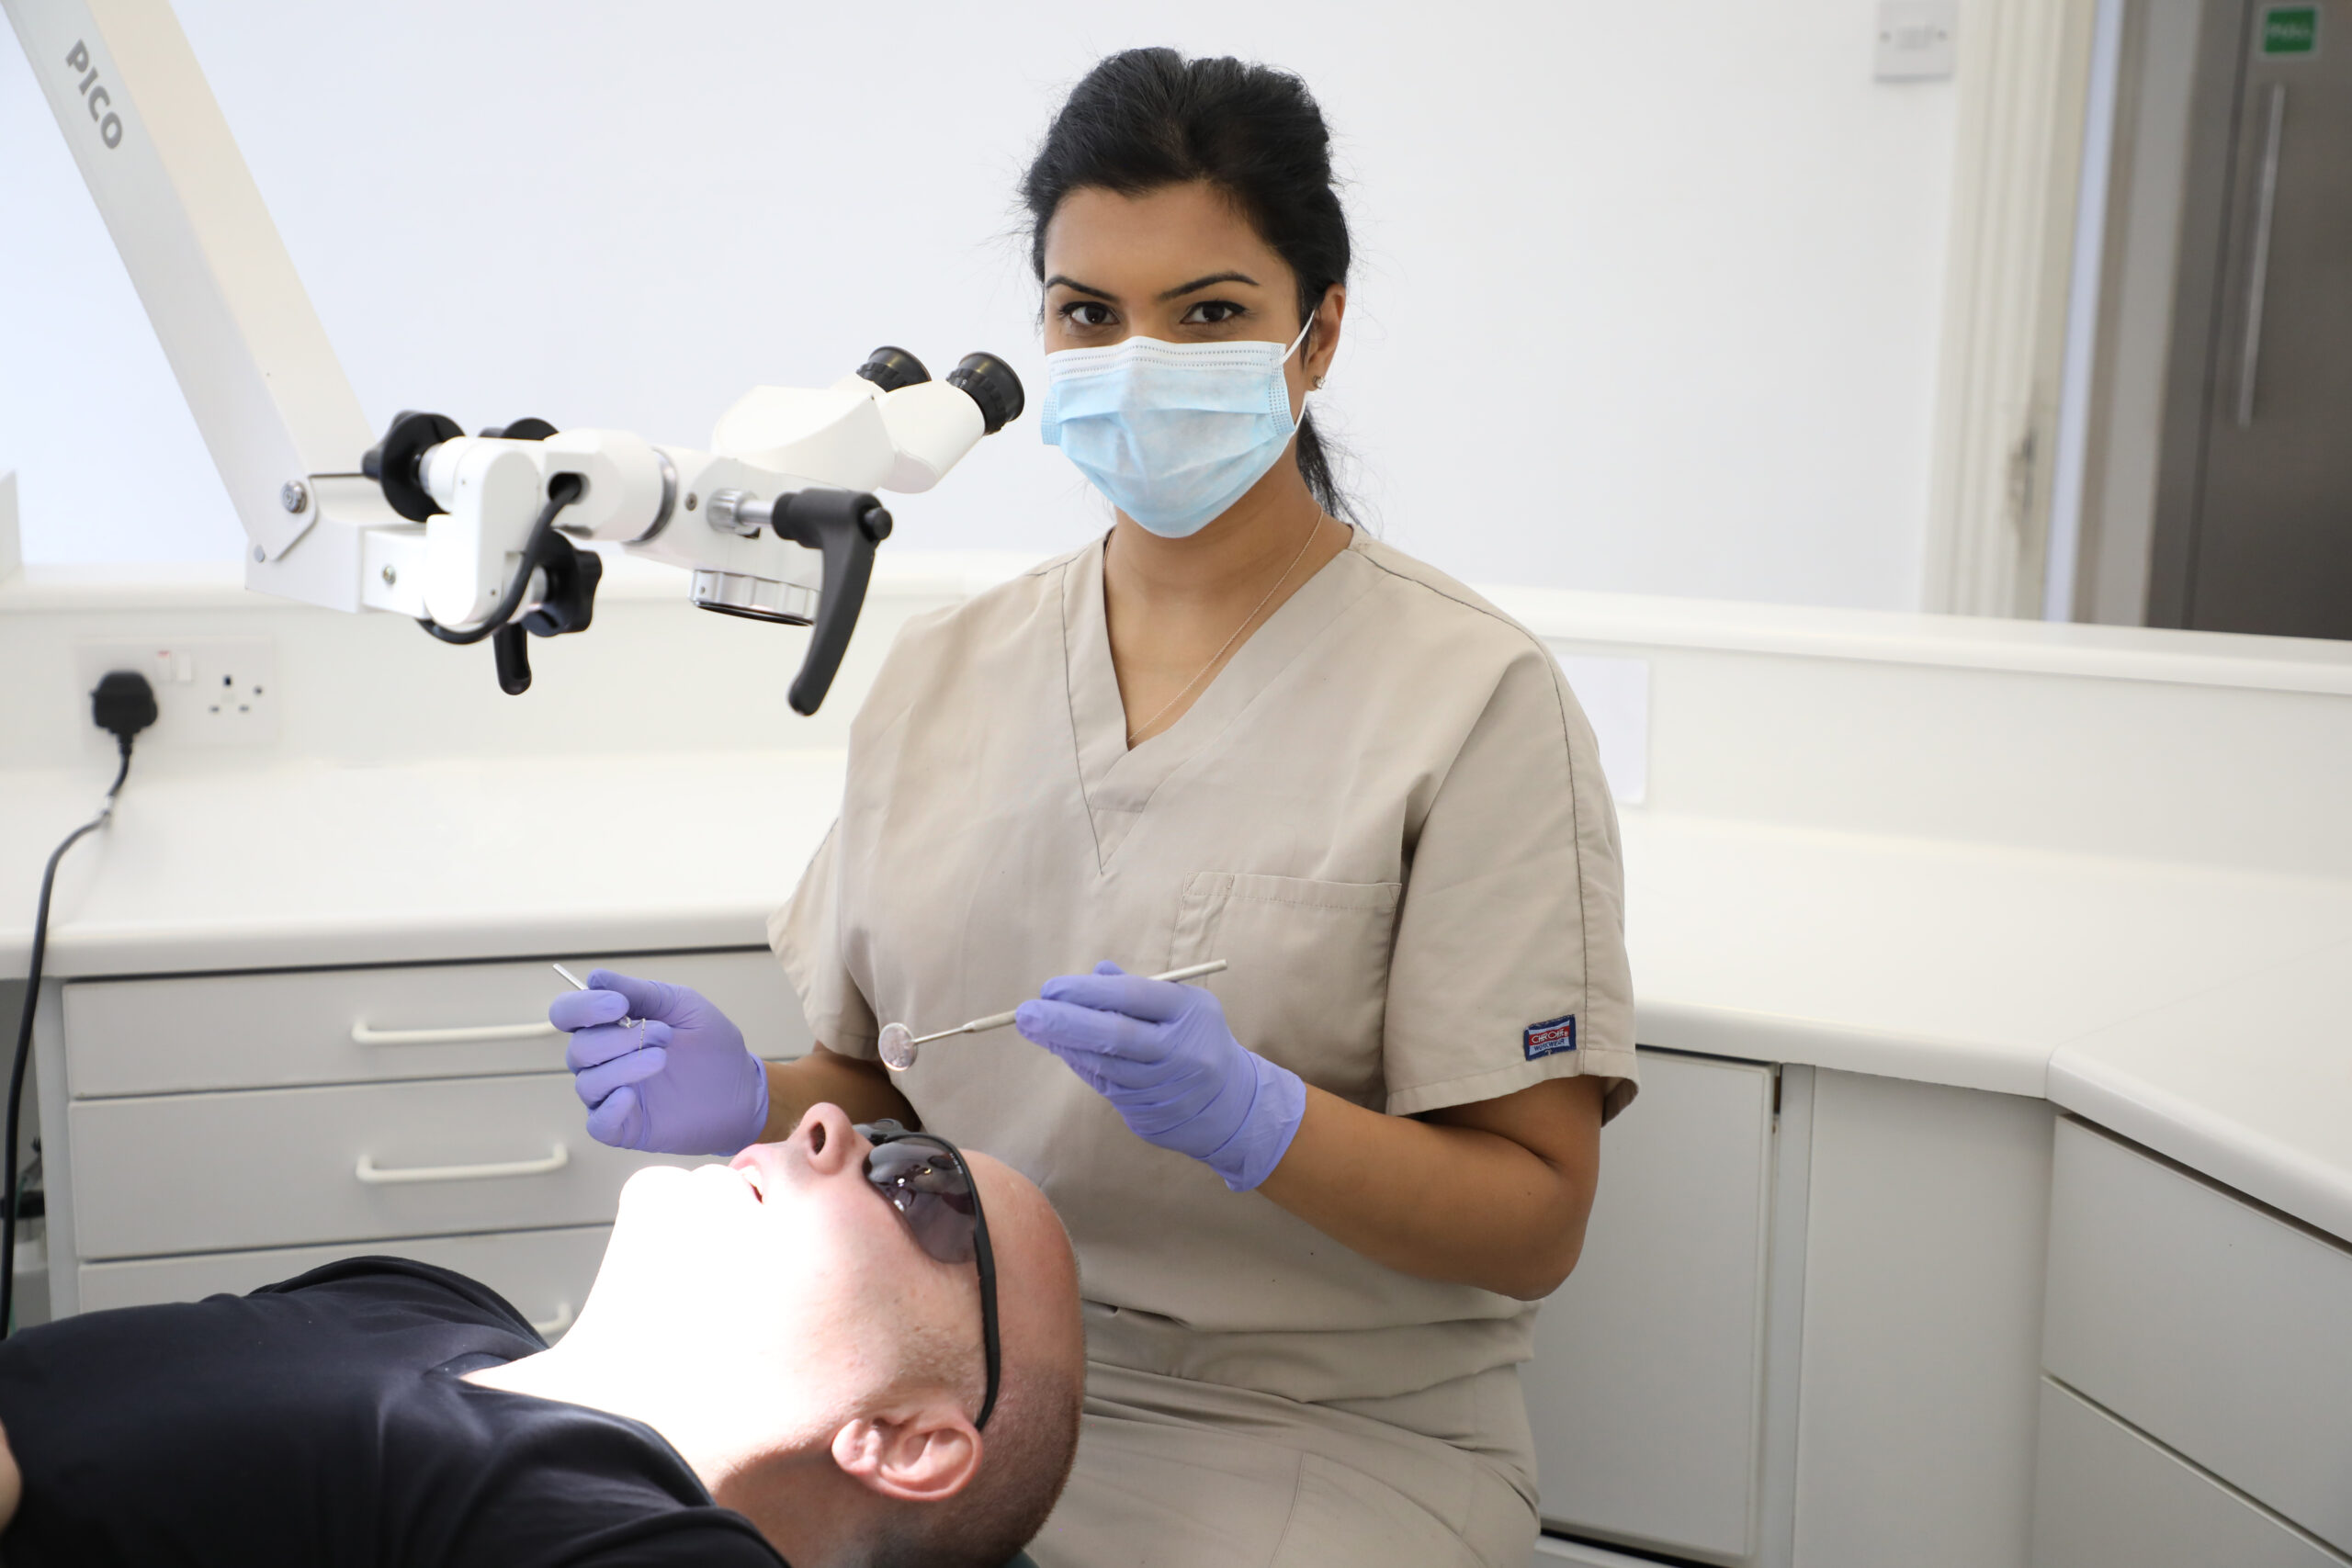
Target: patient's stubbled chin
(12,1480)
(680,1232)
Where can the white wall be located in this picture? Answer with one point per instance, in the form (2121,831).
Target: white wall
(1647,300)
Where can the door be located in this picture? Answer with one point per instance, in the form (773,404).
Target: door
(1646,1392)
(2255,533)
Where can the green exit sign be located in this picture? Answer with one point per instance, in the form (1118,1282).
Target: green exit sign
(2289,30)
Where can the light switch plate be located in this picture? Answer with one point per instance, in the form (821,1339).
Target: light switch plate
(209,691)
(1918,39)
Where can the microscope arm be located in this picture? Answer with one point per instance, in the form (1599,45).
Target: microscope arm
(270,399)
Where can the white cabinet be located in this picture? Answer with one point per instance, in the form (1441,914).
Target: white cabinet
(2110,1497)
(355,1163)
(212,1132)
(2219,1329)
(1646,1391)
(1552,1551)
(545,1274)
(412,1020)
(1927,1236)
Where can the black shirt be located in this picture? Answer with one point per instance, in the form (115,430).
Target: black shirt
(324,1422)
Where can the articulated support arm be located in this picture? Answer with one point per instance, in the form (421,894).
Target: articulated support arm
(434,524)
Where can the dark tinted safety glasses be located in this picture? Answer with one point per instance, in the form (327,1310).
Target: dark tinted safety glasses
(924,1178)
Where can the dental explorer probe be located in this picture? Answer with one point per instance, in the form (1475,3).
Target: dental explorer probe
(579,985)
(899,1046)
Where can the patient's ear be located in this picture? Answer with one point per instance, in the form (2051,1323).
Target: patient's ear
(925,1453)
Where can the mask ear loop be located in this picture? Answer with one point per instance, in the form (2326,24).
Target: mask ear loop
(1302,335)
(1315,383)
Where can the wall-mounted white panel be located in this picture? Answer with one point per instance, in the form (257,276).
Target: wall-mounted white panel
(1615,696)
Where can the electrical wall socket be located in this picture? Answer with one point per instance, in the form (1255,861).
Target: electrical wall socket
(209,691)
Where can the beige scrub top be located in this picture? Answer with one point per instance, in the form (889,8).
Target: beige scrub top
(1387,813)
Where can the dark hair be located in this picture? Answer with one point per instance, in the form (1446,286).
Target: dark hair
(1147,118)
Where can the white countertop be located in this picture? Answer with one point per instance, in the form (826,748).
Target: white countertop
(2248,1080)
(1917,638)
(1859,851)
(304,866)
(2195,1009)
(1958,963)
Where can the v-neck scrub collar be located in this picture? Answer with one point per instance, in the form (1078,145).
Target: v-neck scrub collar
(1117,780)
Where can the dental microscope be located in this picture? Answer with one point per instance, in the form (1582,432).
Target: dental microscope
(776,522)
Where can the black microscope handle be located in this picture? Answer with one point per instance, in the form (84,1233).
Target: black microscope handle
(843,526)
(513,653)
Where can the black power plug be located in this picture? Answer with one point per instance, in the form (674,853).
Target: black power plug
(122,704)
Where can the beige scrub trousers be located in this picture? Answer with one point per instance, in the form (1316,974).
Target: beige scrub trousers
(1387,815)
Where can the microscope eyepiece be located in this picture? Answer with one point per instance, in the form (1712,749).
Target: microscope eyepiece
(527,429)
(991,383)
(891,368)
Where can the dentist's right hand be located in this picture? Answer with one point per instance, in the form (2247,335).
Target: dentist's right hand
(685,1084)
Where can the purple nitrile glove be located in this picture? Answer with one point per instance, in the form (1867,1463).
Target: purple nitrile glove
(1161,1054)
(683,1085)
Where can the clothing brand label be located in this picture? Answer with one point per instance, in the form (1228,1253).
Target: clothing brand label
(1551,1036)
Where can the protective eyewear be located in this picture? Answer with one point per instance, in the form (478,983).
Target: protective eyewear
(925,1179)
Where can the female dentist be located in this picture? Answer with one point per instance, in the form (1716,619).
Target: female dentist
(1314,1197)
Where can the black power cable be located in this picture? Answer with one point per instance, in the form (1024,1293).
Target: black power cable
(562,491)
(123,704)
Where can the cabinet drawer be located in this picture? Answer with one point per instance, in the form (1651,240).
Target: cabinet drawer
(210,1031)
(282,1168)
(2215,1327)
(2105,1496)
(545,1273)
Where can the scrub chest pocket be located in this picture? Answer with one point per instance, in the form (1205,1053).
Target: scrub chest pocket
(1308,982)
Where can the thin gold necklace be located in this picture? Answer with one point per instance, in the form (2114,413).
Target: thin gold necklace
(1314,529)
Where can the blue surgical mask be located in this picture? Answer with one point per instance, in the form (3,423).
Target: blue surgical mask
(1172,433)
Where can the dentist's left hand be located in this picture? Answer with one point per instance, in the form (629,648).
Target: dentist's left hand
(684,1085)
(1160,1053)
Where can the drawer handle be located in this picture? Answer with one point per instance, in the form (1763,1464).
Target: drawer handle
(361,1035)
(556,1325)
(375,1175)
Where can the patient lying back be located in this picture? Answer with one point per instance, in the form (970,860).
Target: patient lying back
(769,1368)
